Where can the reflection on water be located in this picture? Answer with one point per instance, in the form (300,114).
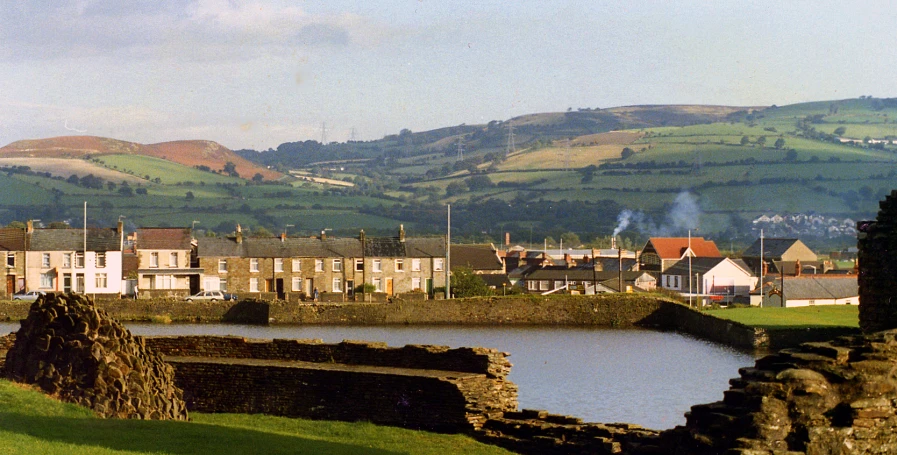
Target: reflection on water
(601,375)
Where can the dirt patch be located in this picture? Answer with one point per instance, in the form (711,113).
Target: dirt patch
(64,167)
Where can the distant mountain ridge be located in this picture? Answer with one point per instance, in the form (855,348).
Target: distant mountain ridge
(189,153)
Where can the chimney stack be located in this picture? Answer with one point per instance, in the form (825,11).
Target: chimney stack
(507,239)
(283,237)
(239,234)
(401,232)
(29,227)
(361,237)
(797,268)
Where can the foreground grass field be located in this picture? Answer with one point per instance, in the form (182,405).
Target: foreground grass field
(791,318)
(32,423)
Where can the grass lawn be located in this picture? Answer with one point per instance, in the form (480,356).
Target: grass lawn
(31,423)
(790,318)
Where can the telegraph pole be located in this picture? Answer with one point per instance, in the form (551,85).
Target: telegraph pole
(448,252)
(323,133)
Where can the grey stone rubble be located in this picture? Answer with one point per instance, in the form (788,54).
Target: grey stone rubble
(79,354)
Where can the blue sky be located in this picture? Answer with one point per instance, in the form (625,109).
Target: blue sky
(259,73)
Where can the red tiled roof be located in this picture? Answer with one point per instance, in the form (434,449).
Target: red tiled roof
(163,238)
(674,247)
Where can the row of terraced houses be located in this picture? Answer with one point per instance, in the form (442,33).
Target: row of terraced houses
(171,262)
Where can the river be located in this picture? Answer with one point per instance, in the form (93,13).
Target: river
(636,376)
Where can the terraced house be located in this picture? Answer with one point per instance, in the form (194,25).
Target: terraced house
(294,268)
(165,262)
(12,250)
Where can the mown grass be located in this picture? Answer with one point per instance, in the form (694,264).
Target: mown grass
(32,423)
(791,318)
(167,172)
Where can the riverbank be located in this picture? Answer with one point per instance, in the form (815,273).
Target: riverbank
(610,310)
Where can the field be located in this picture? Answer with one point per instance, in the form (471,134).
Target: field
(32,423)
(63,167)
(791,318)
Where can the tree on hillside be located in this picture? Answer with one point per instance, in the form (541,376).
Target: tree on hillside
(761,141)
(189,196)
(231,169)
(780,142)
(839,131)
(465,283)
(479,182)
(791,155)
(626,153)
(571,239)
(745,140)
(257,178)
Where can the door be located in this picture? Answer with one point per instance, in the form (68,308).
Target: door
(309,286)
(67,283)
(79,283)
(10,284)
(278,286)
(389,286)
(269,285)
(350,288)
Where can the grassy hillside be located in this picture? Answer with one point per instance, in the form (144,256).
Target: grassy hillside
(32,423)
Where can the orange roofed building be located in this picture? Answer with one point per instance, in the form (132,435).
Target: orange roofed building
(660,253)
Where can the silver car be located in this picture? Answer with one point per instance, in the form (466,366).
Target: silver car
(210,296)
(30,295)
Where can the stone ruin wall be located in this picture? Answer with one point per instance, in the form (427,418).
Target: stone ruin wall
(420,387)
(877,258)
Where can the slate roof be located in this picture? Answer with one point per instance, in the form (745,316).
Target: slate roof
(98,239)
(674,247)
(274,247)
(702,265)
(164,238)
(475,257)
(12,239)
(496,280)
(549,273)
(772,247)
(819,287)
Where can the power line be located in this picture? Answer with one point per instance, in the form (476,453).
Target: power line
(353,135)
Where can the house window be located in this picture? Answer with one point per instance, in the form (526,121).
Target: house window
(532,285)
(101,281)
(415,284)
(254,264)
(164,282)
(337,285)
(222,284)
(10,259)
(378,285)
(173,260)
(337,265)
(438,264)
(319,265)
(543,285)
(378,265)
(222,266)
(400,265)
(101,259)
(415,265)
(67,260)
(154,260)
(359,265)
(278,264)
(45,260)
(46,280)
(297,283)
(672,281)
(79,260)
(297,265)
(558,284)
(253,285)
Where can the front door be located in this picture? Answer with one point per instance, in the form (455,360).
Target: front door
(67,283)
(389,286)
(79,283)
(309,286)
(10,284)
(350,288)
(278,286)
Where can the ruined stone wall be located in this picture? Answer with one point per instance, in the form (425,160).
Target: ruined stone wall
(877,258)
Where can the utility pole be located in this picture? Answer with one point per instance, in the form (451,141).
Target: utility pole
(323,133)
(689,268)
(448,252)
(762,294)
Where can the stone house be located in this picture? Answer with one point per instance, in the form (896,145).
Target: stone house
(777,250)
(12,249)
(586,280)
(165,262)
(68,260)
(291,268)
(660,253)
(720,279)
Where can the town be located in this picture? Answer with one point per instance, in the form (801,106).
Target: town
(173,263)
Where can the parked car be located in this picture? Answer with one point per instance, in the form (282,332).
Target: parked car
(211,296)
(30,295)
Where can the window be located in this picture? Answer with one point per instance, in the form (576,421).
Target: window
(319,265)
(164,282)
(378,265)
(558,284)
(337,285)
(400,265)
(222,266)
(10,259)
(101,281)
(222,284)
(154,260)
(79,260)
(101,259)
(359,265)
(46,280)
(337,265)
(543,285)
(253,285)
(532,285)
(45,260)
(254,264)
(378,285)
(438,264)
(415,265)
(297,283)
(278,264)
(415,284)
(671,281)
(66,260)
(297,265)
(173,259)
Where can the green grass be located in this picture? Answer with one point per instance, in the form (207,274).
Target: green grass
(166,171)
(31,423)
(790,318)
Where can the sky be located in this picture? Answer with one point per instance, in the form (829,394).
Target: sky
(256,74)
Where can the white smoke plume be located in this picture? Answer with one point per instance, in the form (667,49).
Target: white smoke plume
(683,215)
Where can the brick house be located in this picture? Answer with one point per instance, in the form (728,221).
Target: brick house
(67,260)
(660,253)
(12,249)
(165,262)
(779,253)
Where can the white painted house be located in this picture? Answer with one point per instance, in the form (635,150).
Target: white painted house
(712,279)
(808,290)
